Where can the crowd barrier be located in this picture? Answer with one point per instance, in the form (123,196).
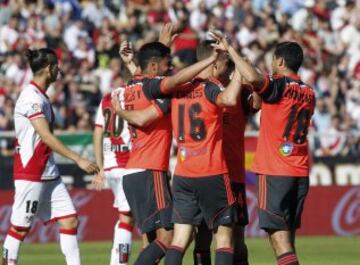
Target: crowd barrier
(328,211)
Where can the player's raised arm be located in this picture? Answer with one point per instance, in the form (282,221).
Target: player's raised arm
(248,71)
(230,95)
(169,84)
(41,126)
(126,53)
(144,117)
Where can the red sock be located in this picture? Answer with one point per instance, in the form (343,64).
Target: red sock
(288,258)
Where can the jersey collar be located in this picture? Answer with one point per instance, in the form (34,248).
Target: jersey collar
(39,88)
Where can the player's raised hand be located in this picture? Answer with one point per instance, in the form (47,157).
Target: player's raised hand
(126,52)
(87,166)
(222,43)
(167,34)
(99,180)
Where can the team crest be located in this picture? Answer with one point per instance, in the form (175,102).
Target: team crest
(286,149)
(36,107)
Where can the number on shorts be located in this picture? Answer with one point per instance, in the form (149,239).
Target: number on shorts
(31,207)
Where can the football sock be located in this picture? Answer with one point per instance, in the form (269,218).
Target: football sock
(202,257)
(224,256)
(241,257)
(11,248)
(122,244)
(151,254)
(174,255)
(69,246)
(288,258)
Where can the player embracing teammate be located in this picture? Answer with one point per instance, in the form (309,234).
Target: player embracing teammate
(281,160)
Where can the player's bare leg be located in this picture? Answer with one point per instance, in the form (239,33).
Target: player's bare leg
(224,245)
(12,244)
(68,240)
(282,244)
(240,248)
(182,237)
(121,249)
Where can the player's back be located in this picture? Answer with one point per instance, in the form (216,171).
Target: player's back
(234,122)
(287,107)
(150,145)
(197,125)
(33,159)
(116,135)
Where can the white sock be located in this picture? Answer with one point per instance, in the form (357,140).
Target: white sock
(11,248)
(69,246)
(123,237)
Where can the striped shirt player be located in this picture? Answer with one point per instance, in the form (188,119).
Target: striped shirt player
(116,146)
(114,136)
(39,190)
(35,172)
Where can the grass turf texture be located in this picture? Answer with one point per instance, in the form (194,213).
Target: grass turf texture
(312,251)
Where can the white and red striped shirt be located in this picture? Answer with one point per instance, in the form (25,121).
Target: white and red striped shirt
(116,135)
(33,159)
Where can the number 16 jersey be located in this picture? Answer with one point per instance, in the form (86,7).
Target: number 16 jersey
(286,110)
(197,126)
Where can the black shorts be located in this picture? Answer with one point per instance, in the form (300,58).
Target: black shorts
(210,198)
(239,192)
(281,201)
(149,197)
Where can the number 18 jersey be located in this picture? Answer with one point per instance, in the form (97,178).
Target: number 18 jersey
(286,110)
(197,126)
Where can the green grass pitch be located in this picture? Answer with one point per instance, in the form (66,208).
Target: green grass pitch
(311,251)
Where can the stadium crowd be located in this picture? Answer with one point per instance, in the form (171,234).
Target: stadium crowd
(86,36)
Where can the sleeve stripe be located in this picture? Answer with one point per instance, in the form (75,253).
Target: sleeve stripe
(35,115)
(98,125)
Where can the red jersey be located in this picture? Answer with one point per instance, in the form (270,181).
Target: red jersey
(116,135)
(150,146)
(197,125)
(234,122)
(286,110)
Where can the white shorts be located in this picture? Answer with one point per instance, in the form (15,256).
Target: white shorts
(48,200)
(114,179)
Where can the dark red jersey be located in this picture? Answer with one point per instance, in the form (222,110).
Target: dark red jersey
(234,122)
(150,145)
(287,107)
(197,125)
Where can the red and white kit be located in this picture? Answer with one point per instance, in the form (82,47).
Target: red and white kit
(116,145)
(38,187)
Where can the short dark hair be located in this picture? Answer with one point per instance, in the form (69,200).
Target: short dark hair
(292,54)
(204,49)
(39,59)
(152,50)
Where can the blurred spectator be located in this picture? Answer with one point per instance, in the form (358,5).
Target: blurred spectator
(86,36)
